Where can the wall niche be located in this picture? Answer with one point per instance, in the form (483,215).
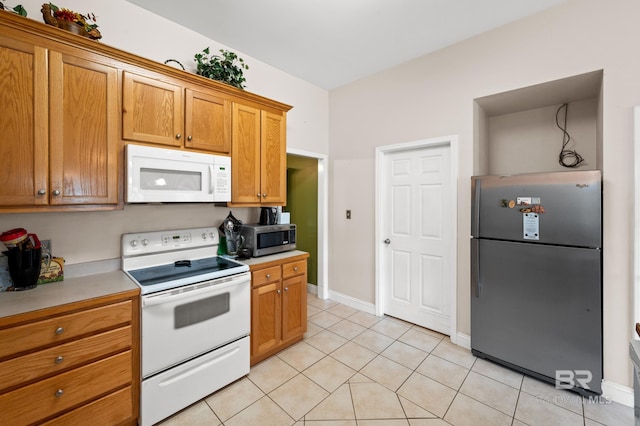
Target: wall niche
(516,132)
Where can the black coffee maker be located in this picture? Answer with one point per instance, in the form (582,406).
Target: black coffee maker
(25,260)
(268,215)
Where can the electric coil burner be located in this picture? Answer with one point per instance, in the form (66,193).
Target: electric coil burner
(196,313)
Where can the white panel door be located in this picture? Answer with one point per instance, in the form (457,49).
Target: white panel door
(417,229)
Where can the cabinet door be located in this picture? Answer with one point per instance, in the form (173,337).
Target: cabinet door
(265,318)
(152,110)
(23,119)
(84,140)
(273,159)
(207,122)
(294,306)
(245,155)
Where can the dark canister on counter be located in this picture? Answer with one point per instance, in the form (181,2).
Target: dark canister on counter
(25,261)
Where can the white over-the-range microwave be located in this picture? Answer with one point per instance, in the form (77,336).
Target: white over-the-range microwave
(162,175)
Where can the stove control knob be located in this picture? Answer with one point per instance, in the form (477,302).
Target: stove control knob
(134,243)
(204,235)
(145,242)
(211,235)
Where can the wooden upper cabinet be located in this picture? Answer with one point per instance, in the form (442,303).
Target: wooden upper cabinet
(160,112)
(245,155)
(60,140)
(23,122)
(151,110)
(207,122)
(258,157)
(84,131)
(273,159)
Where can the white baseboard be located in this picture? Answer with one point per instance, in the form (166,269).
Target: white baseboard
(617,393)
(462,340)
(312,288)
(352,302)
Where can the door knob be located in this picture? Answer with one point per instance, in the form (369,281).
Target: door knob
(56,192)
(387,241)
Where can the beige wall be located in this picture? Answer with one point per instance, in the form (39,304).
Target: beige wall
(82,237)
(433,96)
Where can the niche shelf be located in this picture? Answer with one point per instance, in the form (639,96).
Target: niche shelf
(516,132)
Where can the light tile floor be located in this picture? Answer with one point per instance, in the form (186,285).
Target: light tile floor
(355,369)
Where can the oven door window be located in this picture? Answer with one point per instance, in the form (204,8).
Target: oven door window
(201,310)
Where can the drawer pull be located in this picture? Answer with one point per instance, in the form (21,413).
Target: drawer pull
(59,330)
(59,359)
(268,276)
(295,269)
(59,393)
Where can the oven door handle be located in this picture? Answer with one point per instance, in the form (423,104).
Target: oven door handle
(198,290)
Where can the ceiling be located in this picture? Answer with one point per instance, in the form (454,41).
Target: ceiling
(331,43)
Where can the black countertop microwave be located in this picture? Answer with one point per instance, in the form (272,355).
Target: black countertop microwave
(268,239)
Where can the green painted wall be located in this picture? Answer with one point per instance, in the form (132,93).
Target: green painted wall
(302,203)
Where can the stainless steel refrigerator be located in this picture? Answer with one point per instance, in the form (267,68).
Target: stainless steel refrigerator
(536,275)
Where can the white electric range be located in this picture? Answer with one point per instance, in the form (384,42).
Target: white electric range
(196,313)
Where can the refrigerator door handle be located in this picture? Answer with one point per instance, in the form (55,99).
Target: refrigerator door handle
(475,207)
(475,268)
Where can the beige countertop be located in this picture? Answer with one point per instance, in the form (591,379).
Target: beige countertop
(270,258)
(62,292)
(76,289)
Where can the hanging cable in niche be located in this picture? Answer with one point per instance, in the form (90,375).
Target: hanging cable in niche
(567,154)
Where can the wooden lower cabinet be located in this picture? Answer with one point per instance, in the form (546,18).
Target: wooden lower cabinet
(72,364)
(278,305)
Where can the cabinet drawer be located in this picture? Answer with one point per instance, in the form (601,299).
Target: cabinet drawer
(63,327)
(266,275)
(62,357)
(43,399)
(294,268)
(112,409)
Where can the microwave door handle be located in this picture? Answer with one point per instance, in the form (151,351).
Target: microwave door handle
(211,178)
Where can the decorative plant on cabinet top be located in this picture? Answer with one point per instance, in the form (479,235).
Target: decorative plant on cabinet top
(226,68)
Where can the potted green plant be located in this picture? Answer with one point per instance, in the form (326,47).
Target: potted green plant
(227,67)
(19,9)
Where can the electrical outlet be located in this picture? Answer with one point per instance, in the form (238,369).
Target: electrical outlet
(348,214)
(46,246)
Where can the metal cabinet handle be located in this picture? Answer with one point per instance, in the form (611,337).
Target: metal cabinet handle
(189,138)
(295,269)
(278,291)
(268,276)
(59,330)
(286,289)
(59,359)
(56,192)
(258,194)
(59,393)
(264,195)
(41,192)
(387,241)
(178,136)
